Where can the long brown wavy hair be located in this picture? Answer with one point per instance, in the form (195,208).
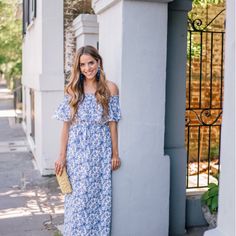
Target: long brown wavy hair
(75,87)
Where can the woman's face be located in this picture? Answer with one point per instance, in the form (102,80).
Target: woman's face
(88,66)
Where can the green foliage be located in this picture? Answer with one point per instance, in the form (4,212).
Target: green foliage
(57,233)
(204,3)
(10,39)
(210,197)
(195,49)
(214,152)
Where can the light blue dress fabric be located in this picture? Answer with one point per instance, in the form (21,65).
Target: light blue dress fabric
(88,162)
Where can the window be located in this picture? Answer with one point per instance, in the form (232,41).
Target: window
(32,113)
(29,13)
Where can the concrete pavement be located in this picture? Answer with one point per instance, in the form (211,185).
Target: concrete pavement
(30,205)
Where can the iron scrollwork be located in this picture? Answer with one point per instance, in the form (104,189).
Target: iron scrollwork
(197,24)
(205,117)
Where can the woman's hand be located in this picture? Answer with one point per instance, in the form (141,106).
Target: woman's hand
(115,162)
(60,163)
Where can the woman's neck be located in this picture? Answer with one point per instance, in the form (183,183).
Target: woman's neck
(90,86)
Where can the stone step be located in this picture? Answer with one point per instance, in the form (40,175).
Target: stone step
(14,146)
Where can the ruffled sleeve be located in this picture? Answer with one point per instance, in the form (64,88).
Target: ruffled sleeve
(63,110)
(114,109)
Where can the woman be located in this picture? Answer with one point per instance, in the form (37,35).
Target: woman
(89,145)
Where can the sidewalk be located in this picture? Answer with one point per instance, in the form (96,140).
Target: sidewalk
(30,205)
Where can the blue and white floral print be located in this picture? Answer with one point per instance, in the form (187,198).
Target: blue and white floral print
(88,162)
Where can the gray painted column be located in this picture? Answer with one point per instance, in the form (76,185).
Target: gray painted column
(133,43)
(175,112)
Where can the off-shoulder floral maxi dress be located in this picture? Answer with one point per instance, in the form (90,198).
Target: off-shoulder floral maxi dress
(88,162)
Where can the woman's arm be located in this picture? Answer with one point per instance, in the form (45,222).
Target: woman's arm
(114,131)
(114,141)
(61,161)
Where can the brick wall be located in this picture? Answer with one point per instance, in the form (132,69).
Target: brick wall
(205,78)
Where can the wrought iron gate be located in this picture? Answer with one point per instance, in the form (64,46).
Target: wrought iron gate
(204,97)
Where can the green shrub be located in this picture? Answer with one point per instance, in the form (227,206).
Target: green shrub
(210,197)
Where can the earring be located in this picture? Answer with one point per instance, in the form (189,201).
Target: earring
(98,74)
(81,78)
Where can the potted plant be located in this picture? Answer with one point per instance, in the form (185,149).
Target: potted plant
(210,204)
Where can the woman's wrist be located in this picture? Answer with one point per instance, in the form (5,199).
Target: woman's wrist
(62,156)
(62,160)
(115,156)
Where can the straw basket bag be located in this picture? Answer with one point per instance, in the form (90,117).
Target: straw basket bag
(64,182)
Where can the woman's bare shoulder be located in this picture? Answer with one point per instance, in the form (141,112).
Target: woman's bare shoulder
(113,88)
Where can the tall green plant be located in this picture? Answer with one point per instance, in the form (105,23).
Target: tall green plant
(210,197)
(10,38)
